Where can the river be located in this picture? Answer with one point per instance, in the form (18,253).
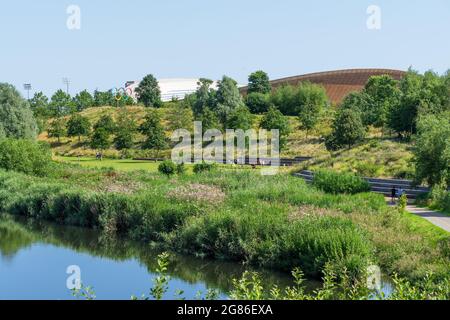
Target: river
(34,257)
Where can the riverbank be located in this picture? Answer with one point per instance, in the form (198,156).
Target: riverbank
(275,222)
(115,268)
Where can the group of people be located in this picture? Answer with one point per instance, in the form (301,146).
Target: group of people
(396,193)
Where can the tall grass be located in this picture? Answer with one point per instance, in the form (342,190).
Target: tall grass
(249,226)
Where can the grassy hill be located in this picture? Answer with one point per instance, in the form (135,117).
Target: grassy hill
(376,156)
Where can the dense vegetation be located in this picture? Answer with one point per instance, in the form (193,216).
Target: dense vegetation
(333,182)
(225,214)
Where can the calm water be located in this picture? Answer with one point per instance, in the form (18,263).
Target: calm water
(34,258)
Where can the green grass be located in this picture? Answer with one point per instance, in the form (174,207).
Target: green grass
(122,165)
(376,156)
(271,221)
(426,228)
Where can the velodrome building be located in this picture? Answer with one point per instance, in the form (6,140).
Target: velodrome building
(338,83)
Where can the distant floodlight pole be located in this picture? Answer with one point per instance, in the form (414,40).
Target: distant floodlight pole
(27,87)
(66,81)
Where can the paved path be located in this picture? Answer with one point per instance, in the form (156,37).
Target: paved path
(438,219)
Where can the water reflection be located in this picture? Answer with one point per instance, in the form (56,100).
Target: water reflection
(34,257)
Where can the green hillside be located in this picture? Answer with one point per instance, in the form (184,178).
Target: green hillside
(374,156)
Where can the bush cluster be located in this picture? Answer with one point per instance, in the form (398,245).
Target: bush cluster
(335,182)
(25,156)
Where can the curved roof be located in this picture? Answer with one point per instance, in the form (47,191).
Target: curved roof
(337,83)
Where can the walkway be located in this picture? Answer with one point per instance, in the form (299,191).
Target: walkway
(438,219)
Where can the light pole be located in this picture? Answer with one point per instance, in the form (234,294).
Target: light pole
(27,87)
(66,81)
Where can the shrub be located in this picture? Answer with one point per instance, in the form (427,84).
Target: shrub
(204,167)
(335,182)
(24,156)
(167,167)
(181,168)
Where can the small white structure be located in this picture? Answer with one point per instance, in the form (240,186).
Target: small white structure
(170,88)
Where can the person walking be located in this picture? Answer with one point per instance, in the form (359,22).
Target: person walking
(393,194)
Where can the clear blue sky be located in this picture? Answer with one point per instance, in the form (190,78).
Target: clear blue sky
(124,40)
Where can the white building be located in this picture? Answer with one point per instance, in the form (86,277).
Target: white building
(170,88)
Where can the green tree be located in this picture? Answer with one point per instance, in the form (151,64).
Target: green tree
(228,98)
(78,126)
(103,98)
(57,128)
(240,118)
(259,82)
(154,131)
(258,102)
(384,95)
(148,92)
(311,100)
(61,104)
(274,119)
(83,100)
(348,129)
(285,99)
(125,132)
(205,97)
(100,139)
(106,122)
(209,120)
(39,105)
(432,150)
(16,117)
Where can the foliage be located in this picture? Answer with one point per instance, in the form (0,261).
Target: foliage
(167,168)
(181,169)
(125,131)
(24,156)
(61,104)
(148,92)
(347,129)
(285,99)
(85,293)
(16,117)
(209,120)
(308,229)
(402,203)
(311,100)
(57,128)
(432,150)
(39,105)
(103,98)
(154,131)
(228,99)
(179,116)
(204,97)
(100,139)
(106,123)
(258,102)
(274,119)
(384,95)
(204,167)
(334,182)
(83,100)
(78,126)
(258,82)
(161,282)
(240,118)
